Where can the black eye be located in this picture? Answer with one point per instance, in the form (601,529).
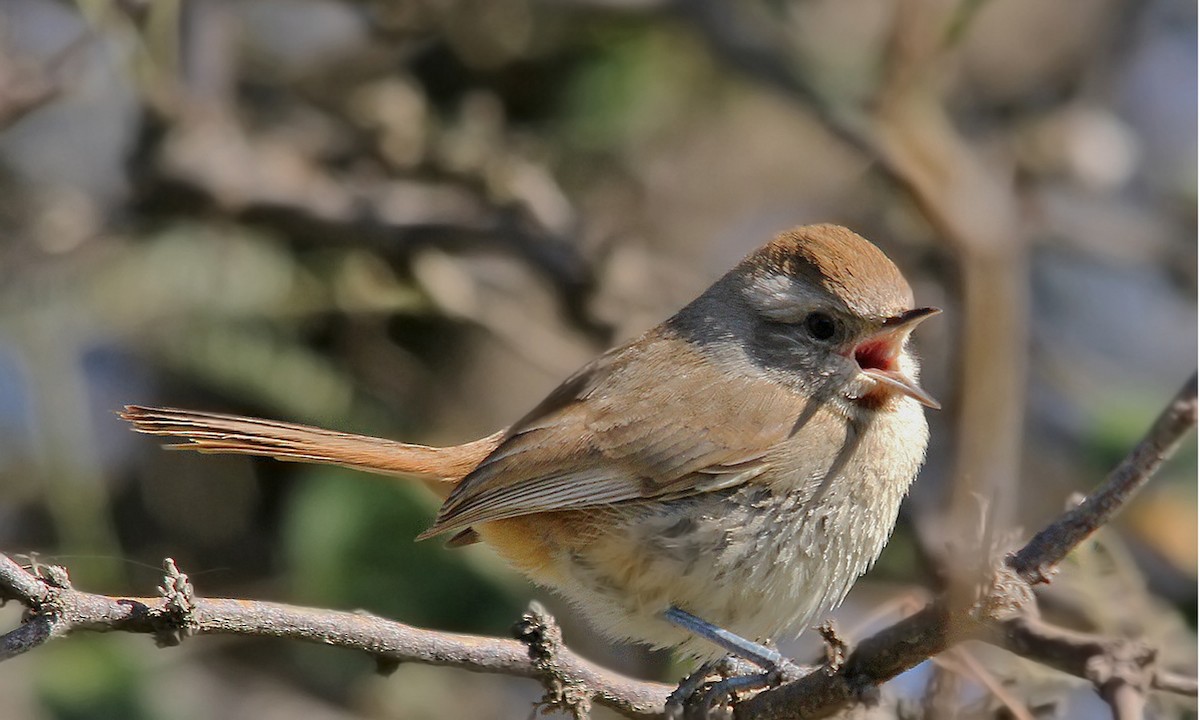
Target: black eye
(820,325)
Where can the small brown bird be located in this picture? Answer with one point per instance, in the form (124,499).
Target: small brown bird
(736,467)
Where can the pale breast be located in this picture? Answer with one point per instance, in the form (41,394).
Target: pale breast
(763,559)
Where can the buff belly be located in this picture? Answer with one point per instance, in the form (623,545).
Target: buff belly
(759,563)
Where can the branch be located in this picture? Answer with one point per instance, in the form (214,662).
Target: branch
(1036,561)
(56,611)
(1121,670)
(1173,683)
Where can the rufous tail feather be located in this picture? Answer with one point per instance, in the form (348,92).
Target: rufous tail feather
(441,468)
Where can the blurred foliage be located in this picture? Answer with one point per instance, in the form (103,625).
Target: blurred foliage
(343,538)
(633,85)
(412,219)
(92,680)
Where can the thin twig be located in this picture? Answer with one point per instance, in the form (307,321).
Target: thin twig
(1016,709)
(1174,683)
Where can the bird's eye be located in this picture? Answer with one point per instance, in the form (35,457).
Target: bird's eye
(820,325)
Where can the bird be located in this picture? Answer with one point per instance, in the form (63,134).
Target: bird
(719,481)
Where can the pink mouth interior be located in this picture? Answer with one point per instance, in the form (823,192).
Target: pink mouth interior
(876,355)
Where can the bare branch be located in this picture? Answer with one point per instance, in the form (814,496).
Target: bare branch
(1121,670)
(26,636)
(1036,561)
(57,611)
(16,584)
(1174,683)
(983,676)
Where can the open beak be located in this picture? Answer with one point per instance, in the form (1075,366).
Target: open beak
(877,355)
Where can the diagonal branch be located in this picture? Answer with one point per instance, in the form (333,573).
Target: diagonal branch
(931,630)
(1036,560)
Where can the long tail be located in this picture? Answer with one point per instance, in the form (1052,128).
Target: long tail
(217,433)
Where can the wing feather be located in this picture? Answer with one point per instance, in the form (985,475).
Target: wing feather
(606,435)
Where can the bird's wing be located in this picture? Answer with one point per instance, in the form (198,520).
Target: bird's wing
(652,420)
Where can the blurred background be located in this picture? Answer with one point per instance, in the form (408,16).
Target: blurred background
(413,218)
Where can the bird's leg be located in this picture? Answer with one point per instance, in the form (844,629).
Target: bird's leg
(764,657)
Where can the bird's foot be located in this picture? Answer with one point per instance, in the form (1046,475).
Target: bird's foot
(711,690)
(749,666)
